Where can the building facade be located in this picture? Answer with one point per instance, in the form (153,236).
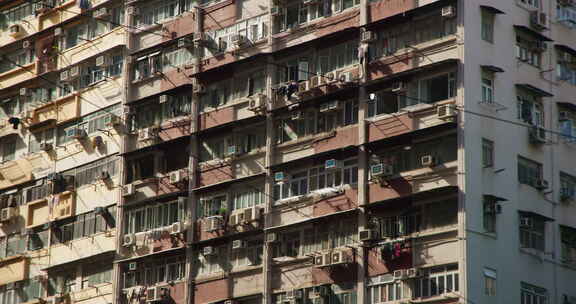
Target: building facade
(304,152)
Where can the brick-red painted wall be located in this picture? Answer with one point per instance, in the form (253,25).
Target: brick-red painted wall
(217,118)
(174,129)
(390,126)
(173,79)
(396,188)
(165,187)
(346,201)
(182,26)
(343,138)
(377,266)
(384,9)
(215,174)
(168,241)
(219,15)
(211,291)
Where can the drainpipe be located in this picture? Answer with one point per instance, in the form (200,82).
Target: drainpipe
(361,258)
(192,172)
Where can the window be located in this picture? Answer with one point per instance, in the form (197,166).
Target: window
(568,245)
(487,88)
(89,174)
(16,14)
(530,109)
(215,262)
(96,273)
(11,245)
(162,269)
(38,138)
(147,66)
(529,172)
(251,255)
(566,15)
(8,149)
(439,280)
(161,11)
(531,3)
(400,225)
(153,216)
(384,289)
(490,213)
(38,239)
(487,153)
(532,229)
(140,168)
(530,294)
(489,282)
(83,225)
(487,26)
(567,125)
(215,149)
(299,13)
(220,40)
(529,50)
(437,88)
(567,187)
(11,106)
(176,57)
(17,58)
(212,206)
(30,290)
(329,59)
(247,198)
(301,183)
(249,85)
(217,95)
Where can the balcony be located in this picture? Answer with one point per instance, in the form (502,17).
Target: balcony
(17,76)
(15,172)
(56,112)
(98,45)
(101,293)
(82,248)
(14,269)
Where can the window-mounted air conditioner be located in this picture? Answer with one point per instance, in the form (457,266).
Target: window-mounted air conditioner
(449,11)
(208,250)
(428,161)
(129,240)
(271,237)
(175,176)
(251,214)
(331,164)
(367,235)
(526,222)
(238,244)
(102,61)
(280,176)
(6,214)
(76,133)
(446,111)
(128,190)
(381,170)
(368,36)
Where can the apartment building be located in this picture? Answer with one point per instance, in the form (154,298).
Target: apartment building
(301,151)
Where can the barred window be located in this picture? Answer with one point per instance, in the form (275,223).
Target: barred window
(89,174)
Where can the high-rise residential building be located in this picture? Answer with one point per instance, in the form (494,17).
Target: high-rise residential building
(287,151)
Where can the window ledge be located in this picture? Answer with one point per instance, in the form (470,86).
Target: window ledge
(442,297)
(245,268)
(536,253)
(148,78)
(281,261)
(29,66)
(422,46)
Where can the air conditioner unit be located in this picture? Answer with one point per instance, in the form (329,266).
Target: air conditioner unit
(537,135)
(428,161)
(446,111)
(413,273)
(129,240)
(251,214)
(330,106)
(315,81)
(331,77)
(112,120)
(368,36)
(234,219)
(563,115)
(184,42)
(232,150)
(398,86)
(330,164)
(449,11)
(208,250)
(128,190)
(153,294)
(76,133)
(238,39)
(46,147)
(176,228)
(58,32)
(133,266)
(74,72)
(64,76)
(213,223)
(101,12)
(566,194)
(400,274)
(163,98)
(318,260)
(7,214)
(538,20)
(345,77)
(23,91)
(275,11)
(381,170)
(281,176)
(175,176)
(526,222)
(271,237)
(367,235)
(338,257)
(304,86)
(101,61)
(146,134)
(256,103)
(541,184)
(15,30)
(238,244)
(297,115)
(132,10)
(26,44)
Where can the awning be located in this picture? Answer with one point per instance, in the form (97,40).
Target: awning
(568,105)
(492,68)
(491,9)
(534,90)
(535,215)
(532,32)
(566,49)
(495,198)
